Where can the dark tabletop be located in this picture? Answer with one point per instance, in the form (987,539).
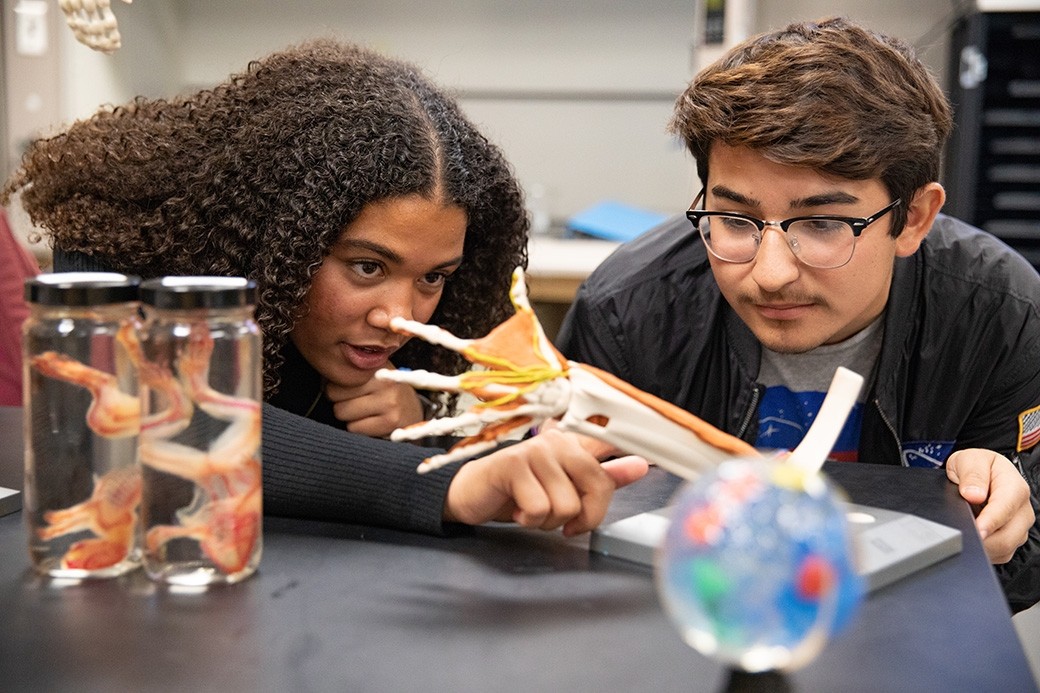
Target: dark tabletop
(346,608)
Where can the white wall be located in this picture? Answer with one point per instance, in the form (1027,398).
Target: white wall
(148,62)
(571,138)
(577,93)
(923,23)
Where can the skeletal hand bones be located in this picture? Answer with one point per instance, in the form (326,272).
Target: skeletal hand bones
(93,23)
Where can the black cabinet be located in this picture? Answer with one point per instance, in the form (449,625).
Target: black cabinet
(992,172)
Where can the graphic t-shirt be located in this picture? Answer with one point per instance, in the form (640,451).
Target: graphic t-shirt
(797,383)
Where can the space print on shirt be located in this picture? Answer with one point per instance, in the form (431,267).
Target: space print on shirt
(797,383)
(785,416)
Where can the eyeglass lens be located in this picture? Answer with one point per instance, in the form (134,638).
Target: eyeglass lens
(820,243)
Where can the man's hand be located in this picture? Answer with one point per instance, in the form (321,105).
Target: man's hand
(1000,496)
(547,481)
(375,408)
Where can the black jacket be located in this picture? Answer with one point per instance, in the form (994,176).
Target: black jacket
(959,363)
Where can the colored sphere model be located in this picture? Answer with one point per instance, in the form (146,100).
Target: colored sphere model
(756,569)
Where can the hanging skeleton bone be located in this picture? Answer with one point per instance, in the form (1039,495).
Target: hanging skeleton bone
(93,23)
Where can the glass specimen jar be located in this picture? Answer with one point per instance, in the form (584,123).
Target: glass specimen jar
(81,420)
(201,391)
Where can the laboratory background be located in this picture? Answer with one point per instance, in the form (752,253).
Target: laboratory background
(578,94)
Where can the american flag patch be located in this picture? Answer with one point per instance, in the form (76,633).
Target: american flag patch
(1028,428)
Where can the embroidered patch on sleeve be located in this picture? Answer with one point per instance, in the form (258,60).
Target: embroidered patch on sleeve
(926,453)
(1028,428)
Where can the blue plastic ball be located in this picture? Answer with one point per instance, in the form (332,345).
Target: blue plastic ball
(757,569)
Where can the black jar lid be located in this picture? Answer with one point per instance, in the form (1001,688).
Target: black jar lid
(185,293)
(81,288)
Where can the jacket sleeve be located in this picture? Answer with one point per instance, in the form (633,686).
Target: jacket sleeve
(1020,577)
(1003,424)
(587,335)
(1020,390)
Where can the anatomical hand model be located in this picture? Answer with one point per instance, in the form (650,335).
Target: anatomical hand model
(524,381)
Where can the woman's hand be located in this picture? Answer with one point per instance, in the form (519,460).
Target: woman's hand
(548,481)
(375,408)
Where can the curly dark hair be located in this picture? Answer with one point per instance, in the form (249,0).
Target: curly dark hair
(259,176)
(829,95)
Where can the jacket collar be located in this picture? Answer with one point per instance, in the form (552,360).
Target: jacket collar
(901,318)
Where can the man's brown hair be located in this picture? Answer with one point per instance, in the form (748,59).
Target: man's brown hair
(828,95)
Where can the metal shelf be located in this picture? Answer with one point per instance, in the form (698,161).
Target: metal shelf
(992,171)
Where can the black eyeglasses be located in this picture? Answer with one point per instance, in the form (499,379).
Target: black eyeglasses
(818,240)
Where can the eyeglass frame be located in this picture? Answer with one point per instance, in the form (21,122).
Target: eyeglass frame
(857,224)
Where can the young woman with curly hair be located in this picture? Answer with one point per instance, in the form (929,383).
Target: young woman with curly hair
(351,190)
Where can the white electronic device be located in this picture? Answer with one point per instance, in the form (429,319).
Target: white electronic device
(889,545)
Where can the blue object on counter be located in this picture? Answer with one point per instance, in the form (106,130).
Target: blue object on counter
(613,221)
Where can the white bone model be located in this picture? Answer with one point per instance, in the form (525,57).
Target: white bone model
(527,382)
(93,23)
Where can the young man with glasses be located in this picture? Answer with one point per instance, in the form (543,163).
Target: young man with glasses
(817,242)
